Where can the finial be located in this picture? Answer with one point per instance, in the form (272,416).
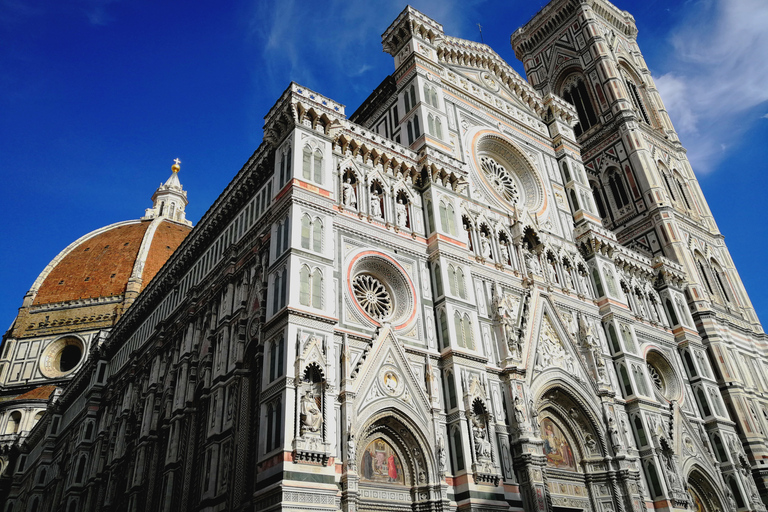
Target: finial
(176,167)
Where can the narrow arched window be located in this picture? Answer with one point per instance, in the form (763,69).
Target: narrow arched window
(451,220)
(642,439)
(574,202)
(318,166)
(460,283)
(669,188)
(278,422)
(306,163)
(618,190)
(317,235)
(718,273)
(683,193)
(410,133)
(416,128)
(304,286)
(276,293)
(407,101)
(598,200)
(467,328)
(637,101)
(438,128)
(431,124)
(626,384)
(653,480)
(443,217)
(671,312)
(703,404)
(451,391)
(284,288)
(413,98)
(445,334)
(452,279)
(614,339)
(270,428)
(80,470)
(286,242)
(640,379)
(438,281)
(459,328)
(317,288)
(305,232)
(703,274)
(598,282)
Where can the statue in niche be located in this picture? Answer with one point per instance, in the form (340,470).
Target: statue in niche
(641,307)
(375,205)
(552,272)
(568,277)
(532,263)
(627,436)
(752,488)
(401,209)
(589,440)
(671,471)
(482,445)
(348,193)
(350,449)
(587,334)
(614,433)
(505,310)
(441,455)
(584,282)
(485,246)
(520,416)
(504,252)
(311,415)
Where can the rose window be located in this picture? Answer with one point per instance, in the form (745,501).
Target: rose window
(372,295)
(656,378)
(499,179)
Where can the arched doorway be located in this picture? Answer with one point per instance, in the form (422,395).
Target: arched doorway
(575,445)
(704,498)
(394,466)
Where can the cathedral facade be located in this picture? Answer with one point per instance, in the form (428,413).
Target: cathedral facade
(475,292)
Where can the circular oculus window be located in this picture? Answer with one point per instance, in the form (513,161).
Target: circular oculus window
(381,289)
(61,357)
(663,376)
(507,174)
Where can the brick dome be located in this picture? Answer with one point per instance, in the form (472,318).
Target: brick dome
(101,264)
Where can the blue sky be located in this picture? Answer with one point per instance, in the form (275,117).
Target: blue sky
(97,97)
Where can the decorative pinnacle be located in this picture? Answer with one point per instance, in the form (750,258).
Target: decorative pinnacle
(176,167)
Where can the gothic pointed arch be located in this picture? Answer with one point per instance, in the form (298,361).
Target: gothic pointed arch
(706,496)
(395,455)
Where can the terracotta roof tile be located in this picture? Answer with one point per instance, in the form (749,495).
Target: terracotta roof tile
(41,393)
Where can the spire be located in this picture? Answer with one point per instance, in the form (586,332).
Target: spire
(170,199)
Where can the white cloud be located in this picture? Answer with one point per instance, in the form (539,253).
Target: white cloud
(325,44)
(718,76)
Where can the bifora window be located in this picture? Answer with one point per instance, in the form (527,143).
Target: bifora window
(575,93)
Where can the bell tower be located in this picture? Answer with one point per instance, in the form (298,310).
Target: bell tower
(646,192)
